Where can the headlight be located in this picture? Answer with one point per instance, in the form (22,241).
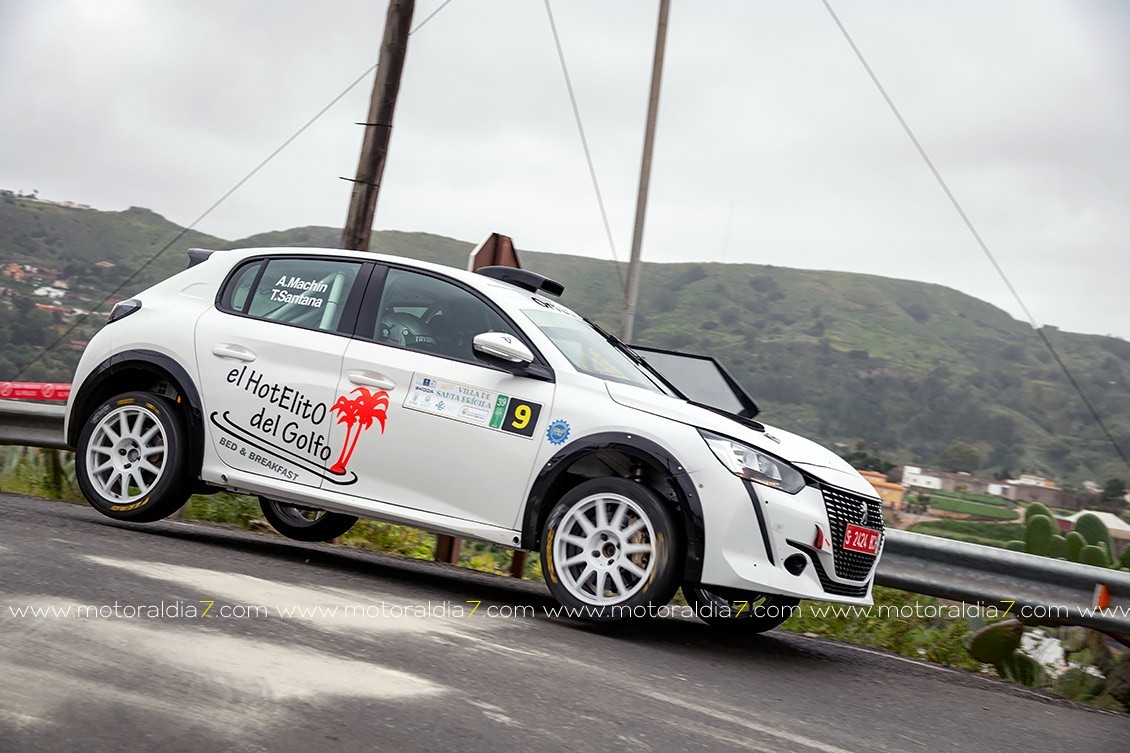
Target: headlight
(752,464)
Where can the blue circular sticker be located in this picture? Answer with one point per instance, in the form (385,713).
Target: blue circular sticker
(558,431)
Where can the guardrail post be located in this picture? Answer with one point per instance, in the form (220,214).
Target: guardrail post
(447,549)
(55,472)
(518,564)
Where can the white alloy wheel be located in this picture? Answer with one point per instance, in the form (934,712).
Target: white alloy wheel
(604,549)
(126,454)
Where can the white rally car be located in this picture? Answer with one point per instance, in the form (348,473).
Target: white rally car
(335,384)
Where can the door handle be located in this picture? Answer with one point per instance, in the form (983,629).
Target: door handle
(372,379)
(233,351)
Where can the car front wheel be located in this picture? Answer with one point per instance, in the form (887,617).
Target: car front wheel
(131,458)
(610,550)
(739,611)
(305,523)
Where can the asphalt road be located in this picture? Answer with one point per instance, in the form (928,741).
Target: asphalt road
(388,677)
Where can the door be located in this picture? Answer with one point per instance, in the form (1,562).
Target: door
(270,359)
(420,421)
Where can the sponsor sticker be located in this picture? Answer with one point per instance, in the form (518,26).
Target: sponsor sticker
(473,405)
(557,432)
(282,430)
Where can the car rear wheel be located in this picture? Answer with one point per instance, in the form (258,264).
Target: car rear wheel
(305,523)
(610,550)
(739,611)
(131,458)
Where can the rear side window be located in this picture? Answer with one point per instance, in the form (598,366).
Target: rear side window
(239,287)
(309,293)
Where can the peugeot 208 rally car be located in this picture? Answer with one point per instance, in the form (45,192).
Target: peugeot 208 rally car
(335,384)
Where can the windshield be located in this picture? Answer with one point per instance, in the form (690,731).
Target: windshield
(589,350)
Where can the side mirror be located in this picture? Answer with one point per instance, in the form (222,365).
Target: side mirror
(499,348)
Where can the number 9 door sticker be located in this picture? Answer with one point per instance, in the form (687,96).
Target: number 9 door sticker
(521,417)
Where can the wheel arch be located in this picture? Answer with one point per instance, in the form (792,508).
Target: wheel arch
(141,370)
(626,456)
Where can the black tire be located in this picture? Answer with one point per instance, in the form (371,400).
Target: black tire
(305,523)
(156,495)
(658,569)
(739,611)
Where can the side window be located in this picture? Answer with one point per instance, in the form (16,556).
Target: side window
(239,287)
(308,293)
(424,313)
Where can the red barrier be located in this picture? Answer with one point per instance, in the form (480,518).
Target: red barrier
(34,391)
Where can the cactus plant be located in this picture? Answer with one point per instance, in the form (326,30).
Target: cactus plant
(1036,509)
(993,644)
(1075,543)
(1038,534)
(1094,530)
(997,644)
(1094,555)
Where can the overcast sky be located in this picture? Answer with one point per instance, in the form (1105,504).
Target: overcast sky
(773,146)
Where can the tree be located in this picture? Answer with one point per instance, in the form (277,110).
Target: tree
(960,456)
(861,460)
(1113,495)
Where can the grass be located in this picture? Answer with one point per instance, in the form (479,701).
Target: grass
(972,531)
(972,508)
(987,499)
(222,507)
(937,639)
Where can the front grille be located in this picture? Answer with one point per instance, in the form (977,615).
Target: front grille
(844,508)
(831,586)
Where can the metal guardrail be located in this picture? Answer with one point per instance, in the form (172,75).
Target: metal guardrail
(973,573)
(913,562)
(32,425)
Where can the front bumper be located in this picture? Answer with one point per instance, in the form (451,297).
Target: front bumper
(751,530)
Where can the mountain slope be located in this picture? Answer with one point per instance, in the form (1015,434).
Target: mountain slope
(841,357)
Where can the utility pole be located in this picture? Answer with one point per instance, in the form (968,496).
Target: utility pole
(378,126)
(631,295)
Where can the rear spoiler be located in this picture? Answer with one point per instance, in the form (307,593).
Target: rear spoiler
(524,279)
(197,255)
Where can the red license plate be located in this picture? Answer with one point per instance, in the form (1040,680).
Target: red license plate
(860,539)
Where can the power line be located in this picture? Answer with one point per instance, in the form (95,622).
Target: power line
(184,231)
(584,144)
(431,15)
(977,236)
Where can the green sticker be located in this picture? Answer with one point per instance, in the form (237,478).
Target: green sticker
(499,411)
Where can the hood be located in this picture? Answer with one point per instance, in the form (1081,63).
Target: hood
(812,457)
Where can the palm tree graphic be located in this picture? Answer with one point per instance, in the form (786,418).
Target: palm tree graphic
(358,414)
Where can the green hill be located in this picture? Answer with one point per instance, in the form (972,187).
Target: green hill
(905,366)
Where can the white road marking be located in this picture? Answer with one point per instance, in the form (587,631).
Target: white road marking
(325,607)
(907,659)
(230,684)
(708,732)
(20,721)
(763,729)
(494,713)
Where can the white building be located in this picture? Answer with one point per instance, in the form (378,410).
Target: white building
(913,476)
(53,294)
